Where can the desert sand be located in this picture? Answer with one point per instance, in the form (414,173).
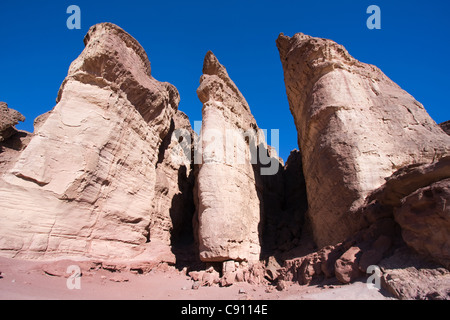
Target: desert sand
(27,280)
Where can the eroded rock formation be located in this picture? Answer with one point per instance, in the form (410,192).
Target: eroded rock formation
(404,234)
(115,174)
(416,197)
(8,119)
(85,184)
(173,205)
(12,141)
(230,187)
(406,275)
(355,128)
(424,217)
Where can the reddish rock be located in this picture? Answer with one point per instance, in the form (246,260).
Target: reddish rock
(240,275)
(445,126)
(408,179)
(281,285)
(210,277)
(424,217)
(383,226)
(256,273)
(272,269)
(376,253)
(309,269)
(228,279)
(346,267)
(230,189)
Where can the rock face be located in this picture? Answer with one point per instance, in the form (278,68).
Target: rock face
(346,267)
(445,126)
(116,174)
(8,119)
(85,184)
(229,185)
(416,197)
(11,148)
(355,128)
(285,207)
(424,217)
(173,205)
(408,179)
(405,228)
(408,276)
(12,142)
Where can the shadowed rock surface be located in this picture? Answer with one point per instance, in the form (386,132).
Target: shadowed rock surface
(424,217)
(230,186)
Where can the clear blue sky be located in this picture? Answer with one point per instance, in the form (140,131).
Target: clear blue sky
(412,48)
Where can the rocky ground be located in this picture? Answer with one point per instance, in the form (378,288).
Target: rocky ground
(23,279)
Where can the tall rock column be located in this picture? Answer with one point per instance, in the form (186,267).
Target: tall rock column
(85,184)
(355,128)
(229,185)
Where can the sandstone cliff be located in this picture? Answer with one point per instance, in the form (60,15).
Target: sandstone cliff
(115,173)
(355,128)
(85,184)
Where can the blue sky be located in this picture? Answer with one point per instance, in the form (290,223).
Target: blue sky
(412,48)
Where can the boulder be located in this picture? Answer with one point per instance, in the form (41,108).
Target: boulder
(416,197)
(409,179)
